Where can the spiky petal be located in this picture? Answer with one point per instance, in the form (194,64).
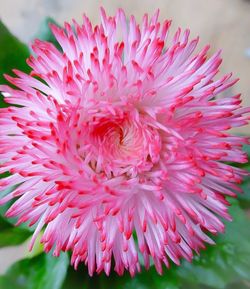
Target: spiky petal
(118,143)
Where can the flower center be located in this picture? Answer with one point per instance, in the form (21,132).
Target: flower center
(119,144)
(116,140)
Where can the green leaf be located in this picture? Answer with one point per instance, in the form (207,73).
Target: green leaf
(244,198)
(37,248)
(41,272)
(239,285)
(246,148)
(45,33)
(10,235)
(4,208)
(13,54)
(226,261)
(145,280)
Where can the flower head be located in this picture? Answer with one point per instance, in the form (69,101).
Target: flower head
(118,146)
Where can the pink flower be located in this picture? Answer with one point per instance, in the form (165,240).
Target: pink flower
(116,147)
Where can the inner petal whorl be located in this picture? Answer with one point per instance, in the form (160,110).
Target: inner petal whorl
(119,143)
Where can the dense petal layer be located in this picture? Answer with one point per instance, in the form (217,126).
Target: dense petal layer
(119,147)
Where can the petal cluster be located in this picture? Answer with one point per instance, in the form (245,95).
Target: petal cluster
(117,145)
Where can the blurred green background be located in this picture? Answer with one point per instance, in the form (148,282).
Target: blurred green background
(225,24)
